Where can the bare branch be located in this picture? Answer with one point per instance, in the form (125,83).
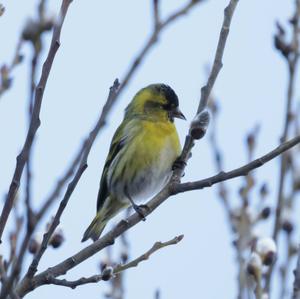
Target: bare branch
(296,292)
(146,255)
(74,283)
(218,64)
(292,61)
(156,15)
(171,189)
(116,270)
(206,90)
(241,171)
(35,120)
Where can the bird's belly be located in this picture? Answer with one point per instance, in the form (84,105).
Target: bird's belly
(149,183)
(151,177)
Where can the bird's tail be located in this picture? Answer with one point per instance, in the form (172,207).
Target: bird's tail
(109,210)
(95,229)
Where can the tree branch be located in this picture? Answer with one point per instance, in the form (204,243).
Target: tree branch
(206,90)
(241,171)
(218,64)
(292,61)
(116,270)
(146,255)
(35,119)
(296,291)
(171,189)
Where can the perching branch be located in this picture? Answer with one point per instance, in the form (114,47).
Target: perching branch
(116,270)
(171,189)
(35,119)
(241,171)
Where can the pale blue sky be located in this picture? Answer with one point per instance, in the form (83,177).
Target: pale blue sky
(99,40)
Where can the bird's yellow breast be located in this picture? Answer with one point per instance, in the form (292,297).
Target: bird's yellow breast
(158,143)
(160,134)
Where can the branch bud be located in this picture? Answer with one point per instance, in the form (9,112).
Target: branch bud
(57,238)
(35,243)
(199,124)
(107,273)
(254,265)
(265,213)
(266,249)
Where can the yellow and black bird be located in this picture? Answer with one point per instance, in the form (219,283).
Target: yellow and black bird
(141,155)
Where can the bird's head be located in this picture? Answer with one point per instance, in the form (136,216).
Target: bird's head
(156,101)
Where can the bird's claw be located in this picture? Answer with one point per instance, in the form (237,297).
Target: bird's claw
(178,164)
(141,210)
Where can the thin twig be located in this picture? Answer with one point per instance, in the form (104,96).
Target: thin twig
(218,64)
(35,120)
(74,283)
(116,270)
(171,189)
(241,171)
(146,255)
(292,61)
(292,64)
(206,89)
(30,216)
(156,15)
(296,287)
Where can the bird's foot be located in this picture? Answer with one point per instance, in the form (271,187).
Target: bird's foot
(141,210)
(178,164)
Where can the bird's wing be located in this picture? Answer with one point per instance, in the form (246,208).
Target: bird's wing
(116,145)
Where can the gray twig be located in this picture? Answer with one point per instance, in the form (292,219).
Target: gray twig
(296,292)
(50,279)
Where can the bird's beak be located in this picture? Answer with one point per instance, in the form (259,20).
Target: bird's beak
(177,113)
